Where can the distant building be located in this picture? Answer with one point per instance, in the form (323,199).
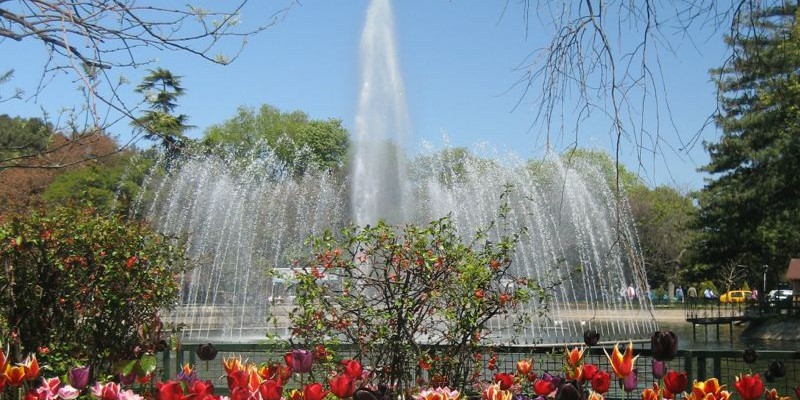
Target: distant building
(793,274)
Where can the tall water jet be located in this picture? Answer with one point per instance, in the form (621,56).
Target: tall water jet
(246,217)
(381,124)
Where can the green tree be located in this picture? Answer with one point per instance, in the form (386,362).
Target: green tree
(110,186)
(748,210)
(287,133)
(22,136)
(664,219)
(161,90)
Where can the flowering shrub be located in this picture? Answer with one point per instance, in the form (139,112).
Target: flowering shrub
(81,286)
(388,290)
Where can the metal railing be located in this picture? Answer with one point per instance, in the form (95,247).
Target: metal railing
(699,365)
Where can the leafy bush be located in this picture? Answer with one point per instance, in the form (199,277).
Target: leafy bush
(85,286)
(393,291)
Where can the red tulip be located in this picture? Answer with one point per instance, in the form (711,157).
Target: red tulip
(31,366)
(342,386)
(676,382)
(170,390)
(601,381)
(505,380)
(750,387)
(543,387)
(270,390)
(588,372)
(314,391)
(238,379)
(201,389)
(352,368)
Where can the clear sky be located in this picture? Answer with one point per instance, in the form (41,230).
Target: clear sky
(458,58)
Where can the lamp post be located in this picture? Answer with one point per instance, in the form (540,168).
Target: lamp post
(764,291)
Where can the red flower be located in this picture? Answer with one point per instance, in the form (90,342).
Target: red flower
(676,382)
(543,387)
(314,391)
(202,388)
(588,372)
(750,387)
(601,381)
(505,380)
(270,390)
(352,368)
(342,386)
(31,366)
(170,390)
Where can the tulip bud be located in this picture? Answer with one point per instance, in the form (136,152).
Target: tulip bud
(302,360)
(750,356)
(777,369)
(79,377)
(206,352)
(591,337)
(630,382)
(664,345)
(659,367)
(570,391)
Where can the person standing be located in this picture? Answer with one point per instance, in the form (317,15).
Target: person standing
(679,294)
(692,294)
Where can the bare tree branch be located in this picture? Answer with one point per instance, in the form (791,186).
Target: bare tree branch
(86,39)
(603,62)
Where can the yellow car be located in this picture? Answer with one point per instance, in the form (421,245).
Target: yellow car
(735,296)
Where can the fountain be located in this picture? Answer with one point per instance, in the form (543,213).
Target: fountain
(245,219)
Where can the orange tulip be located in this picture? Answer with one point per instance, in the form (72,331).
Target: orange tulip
(232,364)
(574,373)
(653,393)
(708,390)
(595,396)
(622,364)
(493,392)
(574,357)
(15,375)
(772,394)
(524,367)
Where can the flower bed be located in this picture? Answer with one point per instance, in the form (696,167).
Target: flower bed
(319,373)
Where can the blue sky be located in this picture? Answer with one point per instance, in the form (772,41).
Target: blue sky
(458,58)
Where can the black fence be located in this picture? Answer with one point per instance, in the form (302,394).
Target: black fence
(699,365)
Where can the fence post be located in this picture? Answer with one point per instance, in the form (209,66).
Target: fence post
(166,372)
(688,363)
(701,366)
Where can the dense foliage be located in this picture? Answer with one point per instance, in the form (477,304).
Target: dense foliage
(748,211)
(326,141)
(390,290)
(84,285)
(22,136)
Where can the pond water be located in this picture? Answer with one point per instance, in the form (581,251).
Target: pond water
(705,338)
